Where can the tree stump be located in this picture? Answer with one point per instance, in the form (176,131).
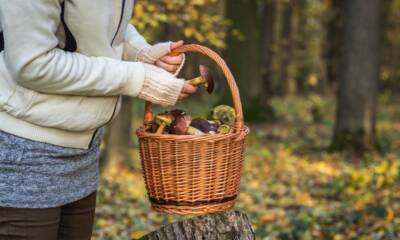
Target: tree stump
(219,226)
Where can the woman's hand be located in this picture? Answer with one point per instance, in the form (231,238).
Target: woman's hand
(158,55)
(171,63)
(161,87)
(187,90)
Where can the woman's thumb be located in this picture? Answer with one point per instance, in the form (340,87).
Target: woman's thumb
(177,44)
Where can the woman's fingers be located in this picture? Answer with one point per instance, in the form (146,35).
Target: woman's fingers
(168,67)
(171,63)
(176,44)
(183,96)
(187,90)
(174,60)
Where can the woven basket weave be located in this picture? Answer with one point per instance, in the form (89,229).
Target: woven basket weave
(187,174)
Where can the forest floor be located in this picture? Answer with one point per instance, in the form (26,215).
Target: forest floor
(292,186)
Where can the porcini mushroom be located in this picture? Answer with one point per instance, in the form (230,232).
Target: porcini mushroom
(205,79)
(163,120)
(181,126)
(177,112)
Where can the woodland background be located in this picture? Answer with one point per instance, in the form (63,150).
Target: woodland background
(319,81)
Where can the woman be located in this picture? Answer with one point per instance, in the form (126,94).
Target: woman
(63,67)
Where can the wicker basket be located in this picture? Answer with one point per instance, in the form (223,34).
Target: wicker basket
(187,174)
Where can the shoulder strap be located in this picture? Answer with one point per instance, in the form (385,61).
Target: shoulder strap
(1,41)
(70,42)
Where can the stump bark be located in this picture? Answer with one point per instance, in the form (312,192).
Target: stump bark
(220,226)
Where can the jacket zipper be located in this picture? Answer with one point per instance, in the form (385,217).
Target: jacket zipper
(120,21)
(112,42)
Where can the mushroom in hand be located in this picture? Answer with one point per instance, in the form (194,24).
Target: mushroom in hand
(205,79)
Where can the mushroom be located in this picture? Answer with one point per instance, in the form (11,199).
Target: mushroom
(152,127)
(177,112)
(214,124)
(224,129)
(163,120)
(205,79)
(194,131)
(181,126)
(223,113)
(205,126)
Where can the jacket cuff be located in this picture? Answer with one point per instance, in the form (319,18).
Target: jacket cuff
(163,91)
(135,81)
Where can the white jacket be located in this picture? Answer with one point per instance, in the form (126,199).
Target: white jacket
(61,72)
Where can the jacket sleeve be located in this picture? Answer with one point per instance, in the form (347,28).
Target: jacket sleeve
(134,43)
(33,59)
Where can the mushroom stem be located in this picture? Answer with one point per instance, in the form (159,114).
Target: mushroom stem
(163,120)
(197,81)
(205,79)
(161,128)
(194,131)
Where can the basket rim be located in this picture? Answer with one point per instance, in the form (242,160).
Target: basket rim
(239,134)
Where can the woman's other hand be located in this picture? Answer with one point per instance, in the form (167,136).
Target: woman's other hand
(171,63)
(158,55)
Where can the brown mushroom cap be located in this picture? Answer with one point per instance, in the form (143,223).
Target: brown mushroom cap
(180,125)
(206,74)
(177,112)
(204,125)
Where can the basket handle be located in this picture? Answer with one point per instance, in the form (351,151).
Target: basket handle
(237,104)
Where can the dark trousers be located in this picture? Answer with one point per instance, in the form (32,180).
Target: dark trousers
(73,221)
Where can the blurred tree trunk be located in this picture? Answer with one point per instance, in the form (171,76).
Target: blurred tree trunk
(118,137)
(243,53)
(288,67)
(222,226)
(266,46)
(355,122)
(334,41)
(302,75)
(278,47)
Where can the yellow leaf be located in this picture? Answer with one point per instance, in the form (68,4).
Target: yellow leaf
(272,215)
(338,237)
(137,234)
(188,32)
(198,2)
(380,181)
(139,12)
(360,204)
(390,215)
(304,199)
(312,80)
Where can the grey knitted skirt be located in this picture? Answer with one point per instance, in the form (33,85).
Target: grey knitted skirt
(40,175)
